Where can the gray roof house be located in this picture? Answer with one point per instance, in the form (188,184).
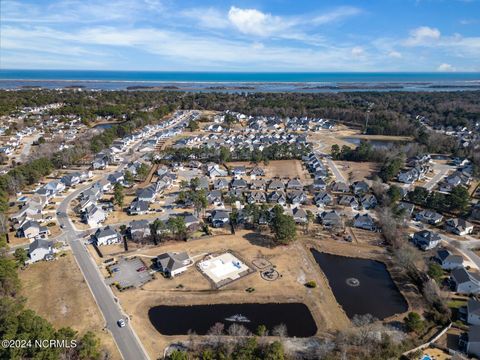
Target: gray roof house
(40,250)
(297,197)
(220,184)
(172,264)
(465,282)
(32,229)
(294,184)
(340,187)
(323,198)
(256,197)
(360,187)
(349,200)
(364,221)
(214,197)
(94,215)
(300,215)
(330,218)
(219,218)
(276,185)
(406,207)
(473,312)
(147,194)
(139,229)
(138,207)
(473,341)
(426,239)
(277,197)
(459,226)
(368,201)
(239,184)
(106,236)
(429,217)
(447,260)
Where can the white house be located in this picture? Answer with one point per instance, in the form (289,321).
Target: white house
(106,236)
(465,282)
(172,264)
(40,250)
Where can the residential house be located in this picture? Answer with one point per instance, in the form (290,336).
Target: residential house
(407,208)
(473,312)
(330,219)
(191,221)
(71,179)
(459,226)
(214,170)
(256,172)
(219,218)
(238,171)
(319,184)
(297,197)
(147,194)
(294,184)
(473,341)
(94,215)
(465,282)
(139,229)
(39,250)
(447,260)
(172,264)
(300,215)
(368,201)
(214,197)
(239,184)
(476,211)
(138,207)
(256,197)
(426,239)
(277,197)
(349,200)
(220,184)
(116,177)
(258,184)
(360,187)
(429,216)
(364,221)
(32,229)
(106,236)
(340,187)
(276,185)
(322,199)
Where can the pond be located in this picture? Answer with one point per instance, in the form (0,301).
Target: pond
(377,144)
(361,286)
(104,126)
(180,320)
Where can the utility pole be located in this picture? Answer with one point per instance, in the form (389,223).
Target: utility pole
(367,115)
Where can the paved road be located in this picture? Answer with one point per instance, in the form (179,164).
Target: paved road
(441,171)
(126,339)
(338,175)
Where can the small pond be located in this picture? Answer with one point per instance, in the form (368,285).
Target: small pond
(361,286)
(104,126)
(376,144)
(180,320)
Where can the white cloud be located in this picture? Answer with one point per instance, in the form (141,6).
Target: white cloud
(207,17)
(255,22)
(358,51)
(336,15)
(422,35)
(395,54)
(446,68)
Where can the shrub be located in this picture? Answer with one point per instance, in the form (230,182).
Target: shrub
(311,284)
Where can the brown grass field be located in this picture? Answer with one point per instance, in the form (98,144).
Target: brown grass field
(57,291)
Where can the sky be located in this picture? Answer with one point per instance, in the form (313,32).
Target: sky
(246,35)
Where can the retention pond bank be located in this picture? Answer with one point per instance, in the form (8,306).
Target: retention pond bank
(361,286)
(180,320)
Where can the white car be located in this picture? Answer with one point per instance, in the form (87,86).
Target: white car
(121,323)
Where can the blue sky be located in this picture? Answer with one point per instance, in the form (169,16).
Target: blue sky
(247,35)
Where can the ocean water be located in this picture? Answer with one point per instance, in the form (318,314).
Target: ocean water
(239,81)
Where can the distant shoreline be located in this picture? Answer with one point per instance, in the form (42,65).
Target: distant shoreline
(237,82)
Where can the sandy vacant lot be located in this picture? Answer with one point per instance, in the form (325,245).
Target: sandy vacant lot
(57,291)
(356,171)
(278,168)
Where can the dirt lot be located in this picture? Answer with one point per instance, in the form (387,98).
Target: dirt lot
(279,168)
(57,291)
(294,263)
(356,171)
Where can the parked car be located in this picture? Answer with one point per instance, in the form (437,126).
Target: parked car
(143,268)
(121,323)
